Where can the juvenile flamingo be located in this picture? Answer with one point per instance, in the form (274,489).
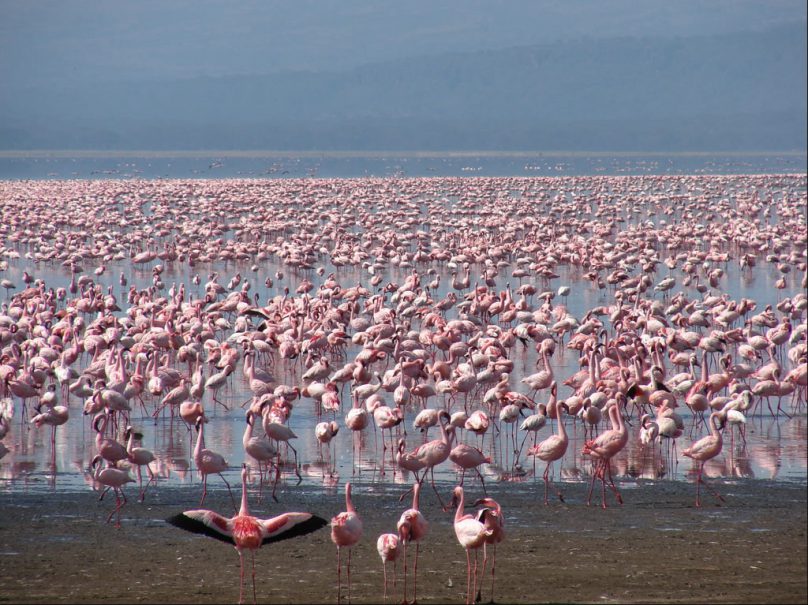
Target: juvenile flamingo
(245,531)
(346,531)
(704,449)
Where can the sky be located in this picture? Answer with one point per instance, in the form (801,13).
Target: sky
(183,38)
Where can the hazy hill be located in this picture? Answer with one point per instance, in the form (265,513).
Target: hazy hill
(720,92)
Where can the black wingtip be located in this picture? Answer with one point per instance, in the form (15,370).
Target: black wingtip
(193,525)
(300,529)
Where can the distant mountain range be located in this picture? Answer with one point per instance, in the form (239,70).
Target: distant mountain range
(730,92)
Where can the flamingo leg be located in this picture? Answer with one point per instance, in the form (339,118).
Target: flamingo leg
(349,575)
(252,557)
(339,577)
(204,489)
(710,488)
(415,576)
(591,487)
(474,580)
(478,592)
(241,576)
(432,480)
(612,485)
(493,571)
(468,576)
(235,508)
(482,481)
(405,571)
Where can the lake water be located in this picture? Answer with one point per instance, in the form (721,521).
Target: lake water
(246,164)
(775,448)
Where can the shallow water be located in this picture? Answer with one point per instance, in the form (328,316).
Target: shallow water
(774,447)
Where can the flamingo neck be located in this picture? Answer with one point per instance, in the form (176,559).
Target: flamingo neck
(348,502)
(460,505)
(244,510)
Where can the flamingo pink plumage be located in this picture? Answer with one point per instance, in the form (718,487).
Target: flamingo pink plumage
(604,448)
(388,547)
(472,534)
(551,449)
(346,531)
(245,531)
(412,527)
(492,518)
(704,449)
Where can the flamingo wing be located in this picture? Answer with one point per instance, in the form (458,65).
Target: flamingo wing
(290,525)
(205,522)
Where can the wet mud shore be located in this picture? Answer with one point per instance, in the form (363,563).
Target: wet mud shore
(656,548)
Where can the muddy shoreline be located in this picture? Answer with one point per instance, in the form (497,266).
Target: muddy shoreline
(656,548)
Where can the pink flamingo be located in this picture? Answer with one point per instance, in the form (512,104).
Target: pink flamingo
(704,449)
(111,478)
(604,447)
(259,448)
(346,530)
(408,461)
(209,462)
(109,449)
(412,527)
(553,448)
(139,456)
(492,518)
(356,419)
(387,546)
(472,534)
(468,457)
(434,452)
(51,415)
(245,531)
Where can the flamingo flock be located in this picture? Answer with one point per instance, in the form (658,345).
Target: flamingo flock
(400,306)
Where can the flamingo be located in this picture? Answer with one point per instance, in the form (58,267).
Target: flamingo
(468,457)
(356,419)
(604,447)
(704,449)
(257,447)
(434,452)
(553,448)
(51,415)
(109,449)
(492,518)
(209,462)
(278,432)
(387,545)
(139,456)
(472,533)
(325,433)
(111,478)
(412,527)
(346,531)
(245,531)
